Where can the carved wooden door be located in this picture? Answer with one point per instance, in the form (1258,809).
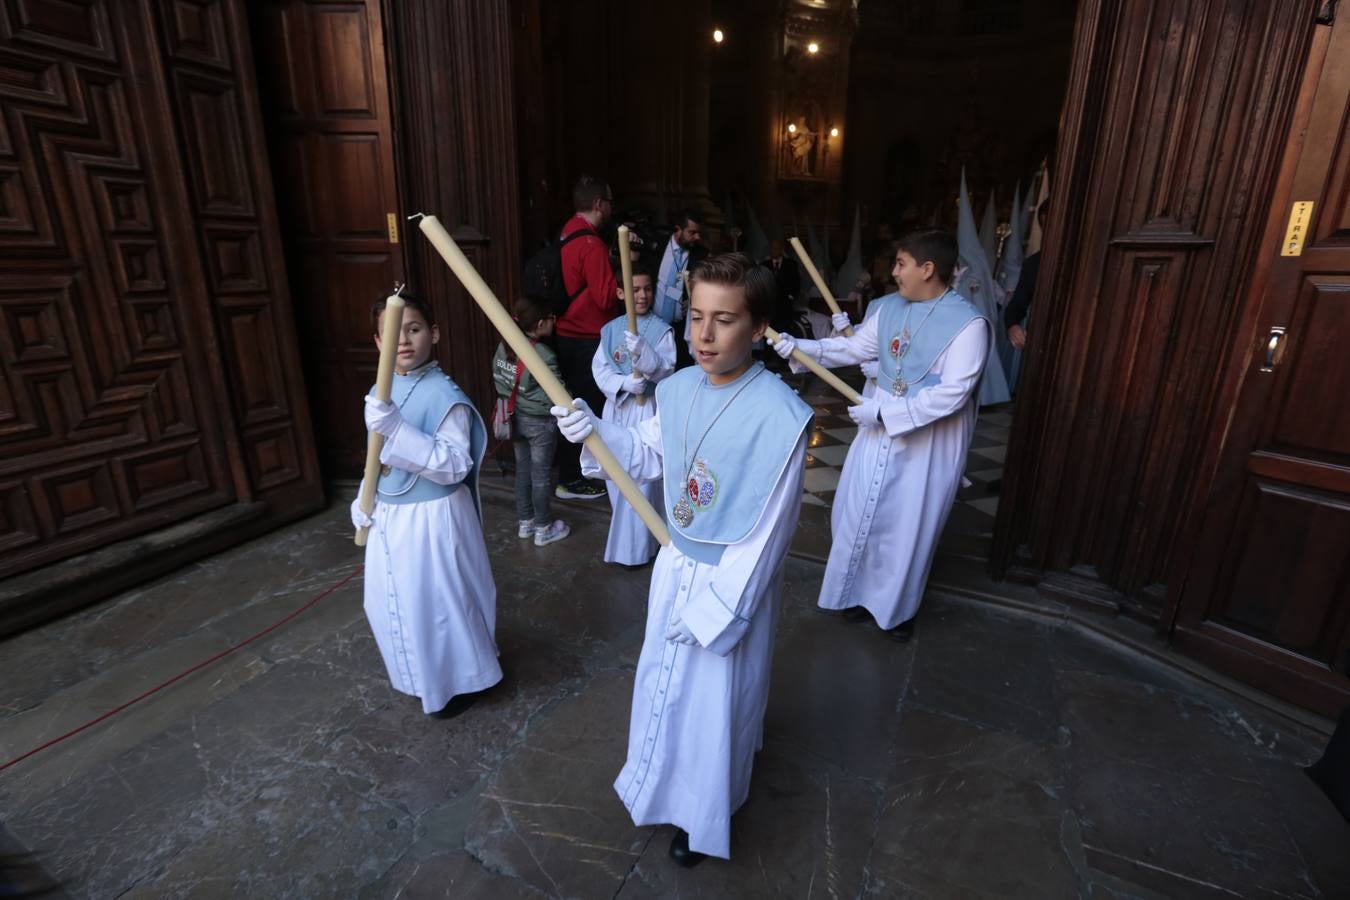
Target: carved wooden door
(1267,596)
(110,407)
(324,85)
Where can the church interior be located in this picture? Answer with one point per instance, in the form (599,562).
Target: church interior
(1138,614)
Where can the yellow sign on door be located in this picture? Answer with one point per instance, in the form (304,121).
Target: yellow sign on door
(1299,217)
(393,228)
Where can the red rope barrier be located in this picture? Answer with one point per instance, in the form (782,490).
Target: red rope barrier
(181,675)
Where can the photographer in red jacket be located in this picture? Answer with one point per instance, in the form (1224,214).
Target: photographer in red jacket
(588,277)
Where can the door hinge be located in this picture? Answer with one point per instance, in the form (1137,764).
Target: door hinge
(393,227)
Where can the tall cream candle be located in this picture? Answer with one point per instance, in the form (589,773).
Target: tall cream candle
(825,374)
(390,334)
(626,267)
(820,282)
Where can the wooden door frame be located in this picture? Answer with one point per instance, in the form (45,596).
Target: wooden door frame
(1080,121)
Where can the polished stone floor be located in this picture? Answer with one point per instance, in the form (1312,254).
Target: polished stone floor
(997,754)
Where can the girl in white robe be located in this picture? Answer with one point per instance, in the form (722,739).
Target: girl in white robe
(429,594)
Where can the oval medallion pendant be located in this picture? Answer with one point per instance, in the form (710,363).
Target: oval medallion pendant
(683,513)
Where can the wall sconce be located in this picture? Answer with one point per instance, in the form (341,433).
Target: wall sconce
(718,36)
(792,128)
(813,47)
(834,132)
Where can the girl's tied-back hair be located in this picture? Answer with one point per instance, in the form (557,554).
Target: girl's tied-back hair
(528,313)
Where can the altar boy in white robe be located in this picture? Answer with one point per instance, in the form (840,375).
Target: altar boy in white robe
(903,469)
(627,365)
(429,593)
(728,444)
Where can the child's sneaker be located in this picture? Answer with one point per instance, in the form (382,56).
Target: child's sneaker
(526,528)
(547,534)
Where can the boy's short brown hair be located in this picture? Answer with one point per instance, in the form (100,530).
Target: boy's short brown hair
(935,246)
(739,270)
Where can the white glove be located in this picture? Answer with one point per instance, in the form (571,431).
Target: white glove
(382,418)
(634,384)
(359,518)
(867,414)
(869,368)
(577,423)
(635,343)
(840,321)
(785,345)
(679,633)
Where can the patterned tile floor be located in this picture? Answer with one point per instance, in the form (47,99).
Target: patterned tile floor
(833,432)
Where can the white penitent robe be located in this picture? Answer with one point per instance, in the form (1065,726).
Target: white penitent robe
(429,593)
(629,542)
(899,480)
(698,711)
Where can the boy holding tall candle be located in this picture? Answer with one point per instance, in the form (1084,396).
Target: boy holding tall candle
(903,468)
(627,366)
(728,445)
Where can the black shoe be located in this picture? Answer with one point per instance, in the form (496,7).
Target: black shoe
(856,614)
(458,705)
(680,852)
(581,489)
(902,632)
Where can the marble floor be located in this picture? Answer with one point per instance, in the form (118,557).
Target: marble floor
(998,754)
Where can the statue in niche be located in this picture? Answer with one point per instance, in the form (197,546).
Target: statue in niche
(803,147)
(801,142)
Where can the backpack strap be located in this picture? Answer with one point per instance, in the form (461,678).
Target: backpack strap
(567,239)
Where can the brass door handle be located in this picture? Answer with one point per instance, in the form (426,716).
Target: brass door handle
(1272,347)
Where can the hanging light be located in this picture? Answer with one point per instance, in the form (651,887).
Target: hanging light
(718,36)
(813,47)
(792,128)
(834,132)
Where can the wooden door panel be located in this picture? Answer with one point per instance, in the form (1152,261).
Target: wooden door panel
(104,380)
(341,57)
(1288,542)
(366,275)
(1316,361)
(100,436)
(1267,594)
(331,132)
(352,164)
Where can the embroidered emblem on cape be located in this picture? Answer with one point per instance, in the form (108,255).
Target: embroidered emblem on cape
(702,487)
(900,343)
(619,357)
